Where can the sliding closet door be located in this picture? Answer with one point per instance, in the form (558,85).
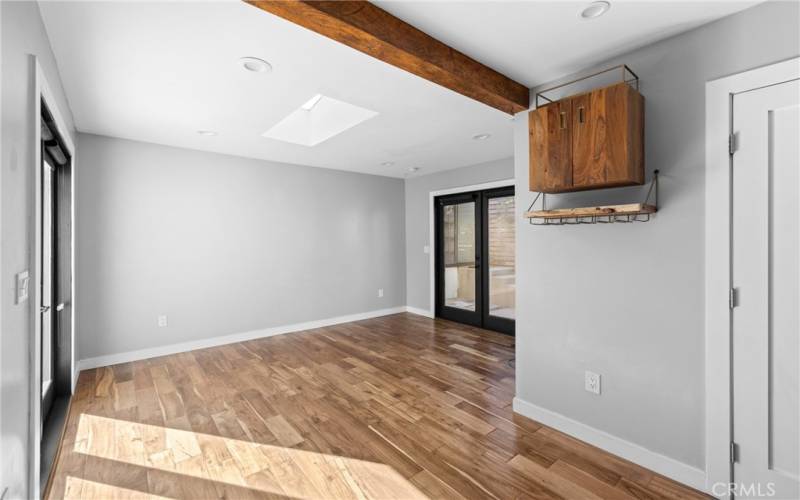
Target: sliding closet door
(458,258)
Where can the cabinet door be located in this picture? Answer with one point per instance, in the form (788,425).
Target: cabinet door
(589,139)
(551,148)
(607,138)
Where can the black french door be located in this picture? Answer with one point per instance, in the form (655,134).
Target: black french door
(475,265)
(55,279)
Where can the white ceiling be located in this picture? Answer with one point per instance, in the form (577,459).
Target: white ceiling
(534,42)
(160,71)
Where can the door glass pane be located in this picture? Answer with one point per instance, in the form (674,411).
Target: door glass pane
(459,256)
(502,275)
(47,278)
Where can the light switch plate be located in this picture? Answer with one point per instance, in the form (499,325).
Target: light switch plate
(380,292)
(23,283)
(426,249)
(162,320)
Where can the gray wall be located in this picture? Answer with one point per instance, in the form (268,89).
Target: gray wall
(626,300)
(23,35)
(417,209)
(225,245)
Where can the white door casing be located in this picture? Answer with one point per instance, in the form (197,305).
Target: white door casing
(718,262)
(431,312)
(766,277)
(41,92)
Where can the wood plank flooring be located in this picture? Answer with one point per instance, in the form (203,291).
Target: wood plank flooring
(394,407)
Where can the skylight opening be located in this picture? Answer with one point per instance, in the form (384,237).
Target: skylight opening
(317,120)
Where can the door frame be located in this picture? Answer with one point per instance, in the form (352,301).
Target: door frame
(465,316)
(495,323)
(431,312)
(718,281)
(42,92)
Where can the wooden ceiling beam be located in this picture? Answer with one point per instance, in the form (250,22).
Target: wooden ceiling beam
(373,31)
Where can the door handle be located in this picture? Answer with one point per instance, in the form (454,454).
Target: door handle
(60,307)
(44,309)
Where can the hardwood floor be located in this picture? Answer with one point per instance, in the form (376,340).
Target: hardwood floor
(395,407)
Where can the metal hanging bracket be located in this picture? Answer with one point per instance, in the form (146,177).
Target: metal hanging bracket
(625,70)
(607,214)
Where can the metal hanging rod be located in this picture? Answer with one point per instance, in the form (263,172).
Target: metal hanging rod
(623,67)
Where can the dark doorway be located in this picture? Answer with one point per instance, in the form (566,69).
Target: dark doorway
(475,264)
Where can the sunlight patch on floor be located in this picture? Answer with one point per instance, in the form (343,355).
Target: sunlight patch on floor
(77,488)
(271,469)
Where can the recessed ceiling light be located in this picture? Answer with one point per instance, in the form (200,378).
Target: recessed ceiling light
(255,65)
(208,133)
(595,9)
(387,164)
(481,137)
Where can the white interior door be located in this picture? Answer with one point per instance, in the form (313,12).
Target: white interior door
(766,275)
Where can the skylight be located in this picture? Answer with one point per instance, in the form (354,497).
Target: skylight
(318,120)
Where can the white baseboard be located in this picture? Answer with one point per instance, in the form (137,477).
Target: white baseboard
(125,357)
(673,469)
(420,312)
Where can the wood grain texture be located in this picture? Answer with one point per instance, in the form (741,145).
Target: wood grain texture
(589,152)
(373,31)
(602,145)
(394,407)
(628,209)
(607,138)
(551,148)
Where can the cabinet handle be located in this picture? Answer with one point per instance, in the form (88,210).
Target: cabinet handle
(580,115)
(563,118)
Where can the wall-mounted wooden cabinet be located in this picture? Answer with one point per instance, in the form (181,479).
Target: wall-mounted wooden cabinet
(588,141)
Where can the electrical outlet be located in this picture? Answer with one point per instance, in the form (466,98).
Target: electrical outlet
(380,292)
(592,382)
(162,320)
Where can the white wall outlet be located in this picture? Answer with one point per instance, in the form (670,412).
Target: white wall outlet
(380,292)
(162,320)
(592,382)
(426,249)
(22,286)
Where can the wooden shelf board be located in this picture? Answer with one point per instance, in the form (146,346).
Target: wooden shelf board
(629,209)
